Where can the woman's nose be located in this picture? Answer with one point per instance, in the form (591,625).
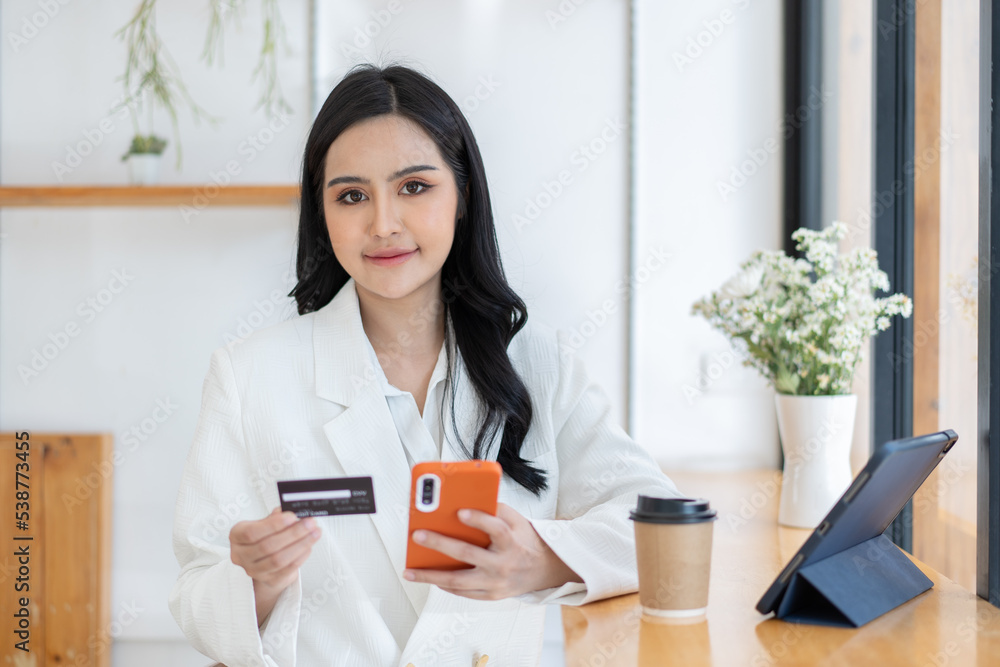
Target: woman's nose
(385,218)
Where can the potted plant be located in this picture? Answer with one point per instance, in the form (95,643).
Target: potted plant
(151,75)
(143,157)
(802,323)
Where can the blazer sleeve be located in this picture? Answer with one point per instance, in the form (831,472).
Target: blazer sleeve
(601,473)
(212,599)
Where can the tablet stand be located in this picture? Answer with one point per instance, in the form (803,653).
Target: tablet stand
(854,586)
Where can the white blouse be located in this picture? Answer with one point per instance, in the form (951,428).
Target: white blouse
(421,435)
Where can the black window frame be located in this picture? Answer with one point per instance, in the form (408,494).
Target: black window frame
(893,113)
(988,436)
(803,148)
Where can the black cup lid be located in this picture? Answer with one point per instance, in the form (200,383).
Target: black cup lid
(672,510)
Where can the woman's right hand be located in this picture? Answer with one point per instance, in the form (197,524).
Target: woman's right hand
(272,549)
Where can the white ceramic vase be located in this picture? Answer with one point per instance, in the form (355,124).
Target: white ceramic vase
(816,434)
(144,168)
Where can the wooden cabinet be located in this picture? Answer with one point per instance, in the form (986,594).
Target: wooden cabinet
(55,567)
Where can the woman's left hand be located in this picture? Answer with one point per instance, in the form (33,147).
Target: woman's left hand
(517,560)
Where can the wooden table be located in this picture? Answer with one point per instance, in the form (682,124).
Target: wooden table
(947,625)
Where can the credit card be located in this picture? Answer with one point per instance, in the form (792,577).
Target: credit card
(327,497)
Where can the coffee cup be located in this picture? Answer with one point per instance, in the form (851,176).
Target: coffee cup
(673,542)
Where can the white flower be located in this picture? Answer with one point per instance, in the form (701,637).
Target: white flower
(803,322)
(743,284)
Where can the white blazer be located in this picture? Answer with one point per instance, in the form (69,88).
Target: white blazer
(300,400)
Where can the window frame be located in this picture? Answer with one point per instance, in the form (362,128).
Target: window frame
(893,114)
(988,441)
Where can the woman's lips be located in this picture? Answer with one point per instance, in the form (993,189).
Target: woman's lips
(391,261)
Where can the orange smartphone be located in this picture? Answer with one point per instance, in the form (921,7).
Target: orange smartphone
(439,489)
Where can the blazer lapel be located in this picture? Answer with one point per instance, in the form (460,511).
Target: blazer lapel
(363,436)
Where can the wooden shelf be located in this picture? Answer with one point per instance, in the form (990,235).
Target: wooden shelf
(195,196)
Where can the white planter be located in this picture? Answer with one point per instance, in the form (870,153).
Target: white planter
(144,169)
(816,434)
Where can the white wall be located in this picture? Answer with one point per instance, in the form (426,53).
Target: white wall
(708,100)
(557,83)
(192,282)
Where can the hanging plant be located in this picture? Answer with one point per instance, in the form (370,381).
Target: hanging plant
(152,75)
(223,11)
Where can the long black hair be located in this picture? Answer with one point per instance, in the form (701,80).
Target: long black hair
(484,311)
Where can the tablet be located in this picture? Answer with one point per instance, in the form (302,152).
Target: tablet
(878,493)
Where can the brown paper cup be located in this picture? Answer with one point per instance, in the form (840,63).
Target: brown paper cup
(674,563)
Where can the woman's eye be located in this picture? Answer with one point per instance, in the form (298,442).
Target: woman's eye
(418,184)
(349,197)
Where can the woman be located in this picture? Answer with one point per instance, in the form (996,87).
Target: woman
(410,346)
